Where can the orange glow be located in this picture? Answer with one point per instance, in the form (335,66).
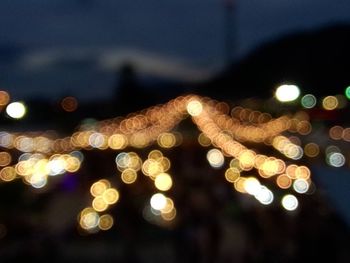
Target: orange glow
(5,158)
(69,104)
(4,98)
(283,181)
(8,174)
(336,132)
(311,149)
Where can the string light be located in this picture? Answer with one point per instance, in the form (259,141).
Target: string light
(227,134)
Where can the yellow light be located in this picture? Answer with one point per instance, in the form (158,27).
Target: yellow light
(98,188)
(117,141)
(286,93)
(5,158)
(169,206)
(99,204)
(302,172)
(204,140)
(166,140)
(152,168)
(169,216)
(16,110)
(247,159)
(194,108)
(158,201)
(232,174)
(155,154)
(72,164)
(239,185)
(311,149)
(7,174)
(129,176)
(106,222)
(110,196)
(330,103)
(163,182)
(89,219)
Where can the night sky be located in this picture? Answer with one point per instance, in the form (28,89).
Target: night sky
(182,36)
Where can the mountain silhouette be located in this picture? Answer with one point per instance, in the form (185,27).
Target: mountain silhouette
(317,61)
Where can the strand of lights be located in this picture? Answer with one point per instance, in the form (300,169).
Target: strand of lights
(44,154)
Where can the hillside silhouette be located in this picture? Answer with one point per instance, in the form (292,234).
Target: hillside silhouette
(318,61)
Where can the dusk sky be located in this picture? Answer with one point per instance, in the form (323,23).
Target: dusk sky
(182,36)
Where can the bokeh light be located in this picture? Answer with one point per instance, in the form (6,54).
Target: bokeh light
(4,98)
(129,176)
(301,186)
(308,101)
(330,103)
(287,93)
(194,108)
(290,202)
(16,110)
(264,195)
(158,201)
(163,182)
(105,222)
(69,104)
(347,92)
(336,159)
(215,158)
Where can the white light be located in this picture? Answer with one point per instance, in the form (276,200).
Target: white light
(301,186)
(252,186)
(290,202)
(16,110)
(194,108)
(56,167)
(336,159)
(215,158)
(264,195)
(285,93)
(158,201)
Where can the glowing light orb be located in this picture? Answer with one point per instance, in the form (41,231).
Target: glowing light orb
(4,98)
(16,110)
(301,186)
(252,185)
(290,202)
(215,158)
(286,93)
(347,92)
(264,195)
(163,182)
(330,103)
(336,159)
(194,108)
(158,201)
(308,101)
(106,222)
